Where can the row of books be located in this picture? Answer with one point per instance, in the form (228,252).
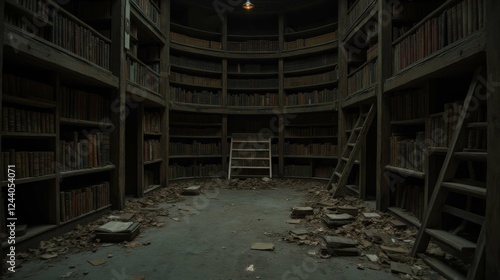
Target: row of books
(312,41)
(442,125)
(149,9)
(27,27)
(40,8)
(21,87)
(29,164)
(152,122)
(189,62)
(177,131)
(314,149)
(80,40)
(406,152)
(314,97)
(253,99)
(89,151)
(310,131)
(253,46)
(323,171)
(195,80)
(199,170)
(363,78)
(293,170)
(407,105)
(453,24)
(330,76)
(150,178)
(252,83)
(194,148)
(82,200)
(197,97)
(151,150)
(143,75)
(22,120)
(195,118)
(310,62)
(410,198)
(184,39)
(252,68)
(357,10)
(84,105)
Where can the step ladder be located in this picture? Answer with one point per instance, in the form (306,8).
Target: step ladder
(248,152)
(447,184)
(338,181)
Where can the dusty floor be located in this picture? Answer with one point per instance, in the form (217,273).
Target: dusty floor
(206,237)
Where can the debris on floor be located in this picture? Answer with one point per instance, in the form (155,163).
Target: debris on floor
(97,262)
(262,246)
(301,212)
(192,190)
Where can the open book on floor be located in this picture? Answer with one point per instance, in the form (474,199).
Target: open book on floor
(116,231)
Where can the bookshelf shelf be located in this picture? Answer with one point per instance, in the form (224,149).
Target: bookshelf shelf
(367,15)
(102,209)
(312,86)
(406,172)
(196,70)
(315,31)
(209,35)
(197,156)
(32,102)
(195,85)
(20,181)
(154,134)
(311,70)
(27,135)
(420,121)
(455,55)
(54,57)
(86,171)
(159,160)
(148,96)
(148,29)
(360,96)
(27,12)
(68,121)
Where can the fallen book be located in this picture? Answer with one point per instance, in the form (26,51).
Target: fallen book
(116,231)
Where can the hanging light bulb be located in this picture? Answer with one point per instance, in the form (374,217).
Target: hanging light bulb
(248,5)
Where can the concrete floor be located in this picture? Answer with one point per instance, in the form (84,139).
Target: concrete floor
(211,240)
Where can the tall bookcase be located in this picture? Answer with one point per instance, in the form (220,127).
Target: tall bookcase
(59,79)
(272,72)
(359,61)
(146,52)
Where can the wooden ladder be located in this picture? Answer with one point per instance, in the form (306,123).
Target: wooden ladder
(339,177)
(250,153)
(448,185)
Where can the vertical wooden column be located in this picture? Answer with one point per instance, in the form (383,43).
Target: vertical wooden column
(281,147)
(493,181)
(139,135)
(165,90)
(224,146)
(342,74)
(118,67)
(384,68)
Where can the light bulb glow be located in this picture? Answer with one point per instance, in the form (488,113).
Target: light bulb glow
(248,5)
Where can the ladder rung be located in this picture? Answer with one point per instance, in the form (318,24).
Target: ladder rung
(474,156)
(248,167)
(442,268)
(477,125)
(351,144)
(338,174)
(357,128)
(465,189)
(466,215)
(345,159)
(456,242)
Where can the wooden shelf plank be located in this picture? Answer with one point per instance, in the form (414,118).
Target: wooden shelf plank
(27,180)
(466,189)
(27,135)
(87,214)
(151,188)
(69,121)
(87,171)
(442,268)
(32,232)
(153,161)
(406,172)
(456,242)
(404,215)
(28,101)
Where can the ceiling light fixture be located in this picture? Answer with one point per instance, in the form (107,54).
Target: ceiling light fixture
(248,5)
